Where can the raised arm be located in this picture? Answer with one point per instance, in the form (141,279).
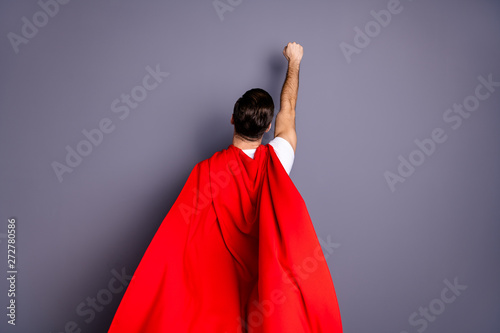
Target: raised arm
(285,119)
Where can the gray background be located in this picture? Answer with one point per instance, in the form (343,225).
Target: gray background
(353,121)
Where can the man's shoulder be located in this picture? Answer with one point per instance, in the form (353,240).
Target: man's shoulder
(284,151)
(281,143)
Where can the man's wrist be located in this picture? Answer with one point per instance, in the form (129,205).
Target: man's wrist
(294,63)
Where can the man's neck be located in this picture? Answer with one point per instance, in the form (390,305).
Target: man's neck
(241,143)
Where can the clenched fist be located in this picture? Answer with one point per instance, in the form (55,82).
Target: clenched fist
(293,52)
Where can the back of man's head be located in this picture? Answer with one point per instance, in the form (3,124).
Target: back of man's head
(252,114)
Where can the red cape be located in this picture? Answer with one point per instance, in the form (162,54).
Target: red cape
(237,252)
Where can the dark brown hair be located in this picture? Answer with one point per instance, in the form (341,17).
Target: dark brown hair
(252,114)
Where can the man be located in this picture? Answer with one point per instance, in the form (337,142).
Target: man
(237,251)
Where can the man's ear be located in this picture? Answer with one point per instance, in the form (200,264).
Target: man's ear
(267,130)
(232,120)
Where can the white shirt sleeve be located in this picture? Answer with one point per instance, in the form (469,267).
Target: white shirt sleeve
(284,151)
